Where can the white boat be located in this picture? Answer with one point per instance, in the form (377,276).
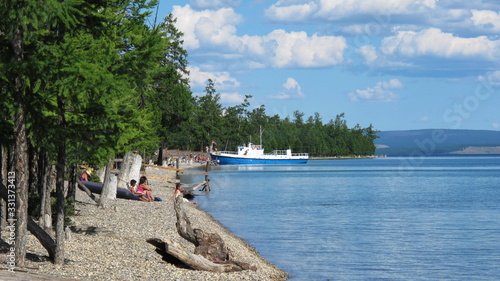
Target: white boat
(254,154)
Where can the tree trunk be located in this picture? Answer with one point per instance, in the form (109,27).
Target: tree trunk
(124,176)
(60,168)
(131,168)
(159,162)
(72,184)
(45,187)
(33,170)
(108,192)
(86,190)
(60,172)
(21,186)
(183,223)
(135,170)
(20,153)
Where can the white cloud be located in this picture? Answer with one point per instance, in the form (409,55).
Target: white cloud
(281,49)
(223,83)
(216,30)
(496,125)
(342,8)
(291,89)
(299,11)
(292,12)
(207,28)
(222,80)
(369,54)
(489,20)
(232,98)
(492,78)
(376,17)
(214,4)
(433,42)
(296,49)
(381,92)
(422,37)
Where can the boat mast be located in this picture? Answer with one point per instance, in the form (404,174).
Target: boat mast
(260,132)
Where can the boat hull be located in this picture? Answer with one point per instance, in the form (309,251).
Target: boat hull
(228,160)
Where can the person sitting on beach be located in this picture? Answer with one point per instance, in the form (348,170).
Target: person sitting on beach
(143,188)
(133,188)
(178,192)
(85,175)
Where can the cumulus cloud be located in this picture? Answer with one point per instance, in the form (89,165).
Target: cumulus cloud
(207,27)
(300,11)
(214,4)
(489,20)
(361,17)
(291,89)
(432,42)
(216,30)
(232,98)
(291,12)
(280,49)
(420,35)
(292,49)
(369,54)
(341,8)
(223,83)
(492,78)
(381,92)
(222,80)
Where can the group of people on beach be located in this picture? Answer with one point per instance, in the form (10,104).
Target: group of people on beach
(141,190)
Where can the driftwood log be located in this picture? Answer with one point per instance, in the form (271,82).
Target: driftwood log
(82,187)
(210,253)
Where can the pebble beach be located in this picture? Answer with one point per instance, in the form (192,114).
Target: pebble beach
(110,244)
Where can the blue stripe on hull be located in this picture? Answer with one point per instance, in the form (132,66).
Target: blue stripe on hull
(222,160)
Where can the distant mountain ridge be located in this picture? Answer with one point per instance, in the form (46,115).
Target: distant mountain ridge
(438,142)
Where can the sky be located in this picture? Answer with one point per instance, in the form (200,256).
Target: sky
(395,64)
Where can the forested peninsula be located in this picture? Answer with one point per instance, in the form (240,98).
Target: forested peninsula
(233,126)
(83,82)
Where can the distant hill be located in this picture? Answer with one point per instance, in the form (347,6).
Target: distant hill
(437,142)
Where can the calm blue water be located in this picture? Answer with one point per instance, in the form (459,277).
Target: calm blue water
(367,219)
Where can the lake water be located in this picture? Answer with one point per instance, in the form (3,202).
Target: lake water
(435,218)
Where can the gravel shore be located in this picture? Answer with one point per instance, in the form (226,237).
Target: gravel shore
(111,244)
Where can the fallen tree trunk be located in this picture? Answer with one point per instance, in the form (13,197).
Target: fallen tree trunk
(210,253)
(86,190)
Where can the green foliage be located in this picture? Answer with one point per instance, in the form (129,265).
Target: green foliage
(232,126)
(96,76)
(94,177)
(93,78)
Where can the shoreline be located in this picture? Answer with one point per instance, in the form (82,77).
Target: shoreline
(348,157)
(111,244)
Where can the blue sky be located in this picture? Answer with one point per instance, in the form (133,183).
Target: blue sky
(396,64)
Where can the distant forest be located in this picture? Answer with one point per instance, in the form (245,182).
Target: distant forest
(236,125)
